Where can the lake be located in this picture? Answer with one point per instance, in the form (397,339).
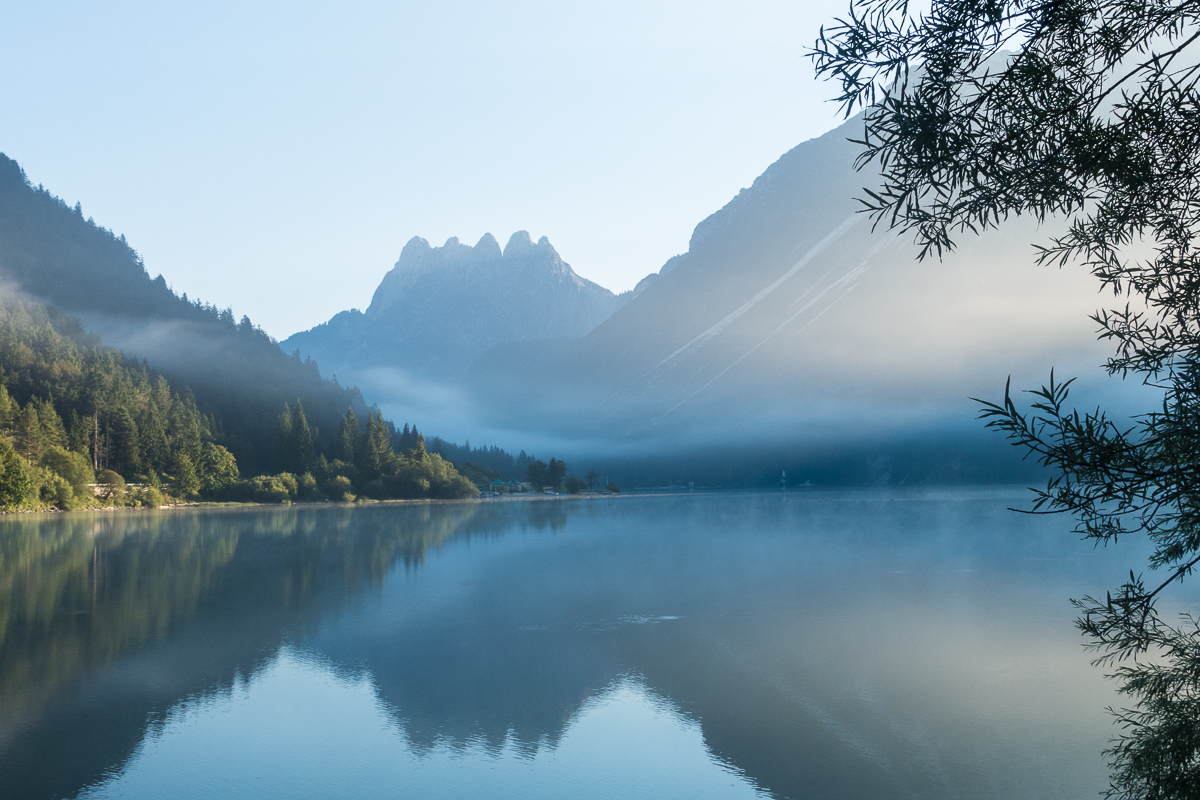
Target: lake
(890,643)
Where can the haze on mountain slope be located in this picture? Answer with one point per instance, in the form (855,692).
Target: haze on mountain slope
(788,324)
(50,253)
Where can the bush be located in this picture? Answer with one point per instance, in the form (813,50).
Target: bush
(110,486)
(307,488)
(53,489)
(152,497)
(612,487)
(273,488)
(74,468)
(576,485)
(339,486)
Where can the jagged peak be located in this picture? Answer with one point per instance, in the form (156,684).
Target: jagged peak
(520,240)
(520,247)
(418,259)
(416,246)
(487,246)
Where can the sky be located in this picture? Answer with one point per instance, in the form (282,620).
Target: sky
(275,157)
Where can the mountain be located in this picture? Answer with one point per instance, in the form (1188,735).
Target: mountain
(440,308)
(790,323)
(51,254)
(791,331)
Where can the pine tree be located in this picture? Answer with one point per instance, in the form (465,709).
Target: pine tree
(160,395)
(283,439)
(78,433)
(156,449)
(15,481)
(28,430)
(187,482)
(8,409)
(54,434)
(556,471)
(303,450)
(535,473)
(125,455)
(348,436)
(185,428)
(377,455)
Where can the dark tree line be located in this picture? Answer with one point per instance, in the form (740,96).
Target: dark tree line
(372,461)
(487,458)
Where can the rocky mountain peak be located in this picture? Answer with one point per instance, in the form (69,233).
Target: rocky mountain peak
(520,241)
(439,308)
(488,248)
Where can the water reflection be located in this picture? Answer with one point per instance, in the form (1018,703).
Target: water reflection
(840,645)
(331,738)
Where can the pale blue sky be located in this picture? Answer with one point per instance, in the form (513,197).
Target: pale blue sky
(275,157)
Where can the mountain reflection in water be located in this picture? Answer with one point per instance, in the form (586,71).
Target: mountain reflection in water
(837,644)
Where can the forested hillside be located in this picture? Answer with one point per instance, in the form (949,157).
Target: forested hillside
(51,253)
(74,413)
(80,421)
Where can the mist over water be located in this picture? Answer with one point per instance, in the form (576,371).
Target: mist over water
(841,644)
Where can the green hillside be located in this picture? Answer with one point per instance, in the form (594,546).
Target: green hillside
(52,254)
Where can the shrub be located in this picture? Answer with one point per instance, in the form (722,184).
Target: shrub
(151,497)
(307,488)
(53,489)
(272,488)
(339,486)
(110,486)
(74,468)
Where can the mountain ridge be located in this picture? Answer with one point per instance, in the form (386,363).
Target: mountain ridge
(440,308)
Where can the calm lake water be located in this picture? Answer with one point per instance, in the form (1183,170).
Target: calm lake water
(857,644)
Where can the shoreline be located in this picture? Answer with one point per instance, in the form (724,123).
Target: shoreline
(214,504)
